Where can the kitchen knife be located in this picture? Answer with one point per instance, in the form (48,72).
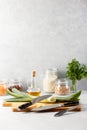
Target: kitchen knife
(44,108)
(64,111)
(25,105)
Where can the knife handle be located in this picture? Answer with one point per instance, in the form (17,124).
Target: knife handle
(60,113)
(71,103)
(23,106)
(64,111)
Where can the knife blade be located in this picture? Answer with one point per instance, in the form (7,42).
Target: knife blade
(44,108)
(25,105)
(64,111)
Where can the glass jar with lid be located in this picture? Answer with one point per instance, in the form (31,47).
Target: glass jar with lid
(15,83)
(49,81)
(62,87)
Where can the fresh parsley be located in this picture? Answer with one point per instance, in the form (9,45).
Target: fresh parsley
(76,71)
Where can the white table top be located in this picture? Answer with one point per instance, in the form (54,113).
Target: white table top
(44,121)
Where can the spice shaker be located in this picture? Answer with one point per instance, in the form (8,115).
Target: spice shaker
(62,87)
(49,81)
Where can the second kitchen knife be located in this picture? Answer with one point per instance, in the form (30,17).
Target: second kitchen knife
(64,111)
(44,108)
(25,105)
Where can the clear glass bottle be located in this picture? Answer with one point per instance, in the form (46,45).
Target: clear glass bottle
(33,90)
(62,87)
(49,81)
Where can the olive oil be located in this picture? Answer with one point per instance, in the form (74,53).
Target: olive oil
(33,90)
(34,93)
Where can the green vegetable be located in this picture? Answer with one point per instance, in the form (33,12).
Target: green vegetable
(22,94)
(13,94)
(18,96)
(76,71)
(72,97)
(23,99)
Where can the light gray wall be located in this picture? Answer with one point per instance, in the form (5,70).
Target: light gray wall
(41,34)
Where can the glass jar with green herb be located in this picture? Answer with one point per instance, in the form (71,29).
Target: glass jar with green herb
(75,72)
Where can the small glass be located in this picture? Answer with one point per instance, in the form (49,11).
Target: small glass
(3,87)
(62,87)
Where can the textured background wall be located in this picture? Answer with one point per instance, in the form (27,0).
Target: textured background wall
(41,34)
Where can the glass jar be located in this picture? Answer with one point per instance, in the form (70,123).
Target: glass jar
(62,87)
(3,87)
(49,81)
(15,84)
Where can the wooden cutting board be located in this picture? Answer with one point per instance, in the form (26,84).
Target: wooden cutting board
(14,106)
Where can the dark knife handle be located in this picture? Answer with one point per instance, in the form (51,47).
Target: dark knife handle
(60,113)
(23,106)
(71,103)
